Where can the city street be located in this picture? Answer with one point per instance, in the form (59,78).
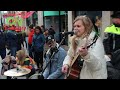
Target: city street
(34,77)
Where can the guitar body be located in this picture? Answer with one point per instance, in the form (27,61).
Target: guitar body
(74,71)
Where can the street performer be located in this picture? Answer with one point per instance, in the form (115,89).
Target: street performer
(86,44)
(53,70)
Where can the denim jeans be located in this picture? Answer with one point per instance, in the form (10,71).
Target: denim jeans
(30,51)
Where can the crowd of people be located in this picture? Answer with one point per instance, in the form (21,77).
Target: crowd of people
(13,40)
(95,58)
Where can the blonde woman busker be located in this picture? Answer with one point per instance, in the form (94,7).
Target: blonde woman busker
(89,47)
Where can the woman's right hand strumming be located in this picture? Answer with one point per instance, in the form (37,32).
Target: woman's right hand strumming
(65,68)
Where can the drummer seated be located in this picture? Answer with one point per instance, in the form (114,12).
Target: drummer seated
(25,61)
(8,63)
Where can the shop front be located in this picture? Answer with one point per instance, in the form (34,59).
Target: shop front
(57,19)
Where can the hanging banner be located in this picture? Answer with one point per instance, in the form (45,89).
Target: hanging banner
(27,15)
(23,15)
(10,21)
(14,20)
(10,15)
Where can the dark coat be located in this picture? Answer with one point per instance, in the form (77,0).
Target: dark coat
(113,67)
(2,40)
(11,39)
(109,44)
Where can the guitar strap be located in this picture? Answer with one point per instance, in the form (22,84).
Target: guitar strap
(75,58)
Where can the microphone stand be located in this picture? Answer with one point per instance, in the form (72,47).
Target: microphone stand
(41,73)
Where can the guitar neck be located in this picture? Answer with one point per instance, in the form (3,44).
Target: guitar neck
(72,62)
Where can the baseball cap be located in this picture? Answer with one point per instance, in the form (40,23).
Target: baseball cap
(116,14)
(49,39)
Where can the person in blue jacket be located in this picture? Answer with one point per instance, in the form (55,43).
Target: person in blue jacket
(38,47)
(53,70)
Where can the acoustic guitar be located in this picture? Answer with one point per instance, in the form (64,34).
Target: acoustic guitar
(75,68)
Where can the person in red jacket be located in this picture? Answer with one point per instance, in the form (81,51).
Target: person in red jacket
(30,39)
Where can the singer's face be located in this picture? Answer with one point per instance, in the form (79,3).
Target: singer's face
(79,28)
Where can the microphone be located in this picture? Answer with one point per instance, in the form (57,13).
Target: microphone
(67,33)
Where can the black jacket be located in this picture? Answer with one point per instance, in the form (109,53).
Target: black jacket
(112,43)
(11,39)
(2,40)
(113,66)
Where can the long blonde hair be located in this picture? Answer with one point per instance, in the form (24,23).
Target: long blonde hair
(87,23)
(21,57)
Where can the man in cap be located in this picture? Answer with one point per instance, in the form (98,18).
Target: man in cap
(53,70)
